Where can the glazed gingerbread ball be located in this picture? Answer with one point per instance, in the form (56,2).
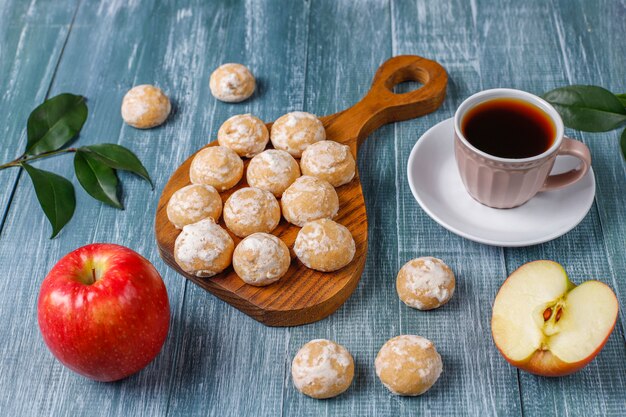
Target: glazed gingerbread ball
(324,245)
(309,198)
(232,83)
(425,283)
(408,365)
(145,106)
(294,131)
(217,166)
(193,203)
(203,249)
(244,134)
(272,170)
(261,259)
(330,161)
(251,210)
(322,369)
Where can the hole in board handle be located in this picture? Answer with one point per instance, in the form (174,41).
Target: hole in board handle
(406,80)
(406,87)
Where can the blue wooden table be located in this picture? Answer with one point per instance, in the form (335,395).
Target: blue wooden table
(318,56)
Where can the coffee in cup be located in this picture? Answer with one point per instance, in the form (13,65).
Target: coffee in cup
(506,142)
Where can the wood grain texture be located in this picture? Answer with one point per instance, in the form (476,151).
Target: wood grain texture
(583,251)
(333,83)
(318,56)
(102,68)
(304,295)
(460,329)
(245,359)
(31,41)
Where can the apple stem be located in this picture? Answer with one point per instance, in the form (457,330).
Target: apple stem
(93,275)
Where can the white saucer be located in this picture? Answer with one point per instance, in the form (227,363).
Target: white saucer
(436,185)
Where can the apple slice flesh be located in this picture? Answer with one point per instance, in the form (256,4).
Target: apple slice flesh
(585,323)
(543,324)
(517,310)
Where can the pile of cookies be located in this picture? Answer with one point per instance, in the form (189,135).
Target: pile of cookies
(296,180)
(302,192)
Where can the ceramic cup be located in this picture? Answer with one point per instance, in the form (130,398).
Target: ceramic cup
(506,183)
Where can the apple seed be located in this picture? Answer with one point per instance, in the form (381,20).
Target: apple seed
(558,314)
(547,314)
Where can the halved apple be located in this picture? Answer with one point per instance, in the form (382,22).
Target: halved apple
(544,324)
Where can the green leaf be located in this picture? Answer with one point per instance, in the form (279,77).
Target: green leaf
(622,143)
(97,178)
(587,107)
(118,157)
(55,122)
(55,195)
(621,98)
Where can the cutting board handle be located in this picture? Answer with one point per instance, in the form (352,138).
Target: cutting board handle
(381,105)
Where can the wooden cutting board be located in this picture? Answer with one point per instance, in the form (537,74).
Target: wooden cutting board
(304,295)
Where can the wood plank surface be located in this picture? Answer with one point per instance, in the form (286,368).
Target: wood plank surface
(244,357)
(101,67)
(31,41)
(318,56)
(587,252)
(483,384)
(334,82)
(581,251)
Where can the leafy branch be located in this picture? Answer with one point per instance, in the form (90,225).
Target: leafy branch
(51,126)
(590,108)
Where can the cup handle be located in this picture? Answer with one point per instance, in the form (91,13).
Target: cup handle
(578,150)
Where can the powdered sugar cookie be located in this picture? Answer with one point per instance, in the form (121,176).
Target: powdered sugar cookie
(217,166)
(322,369)
(272,170)
(261,259)
(232,83)
(203,248)
(408,365)
(324,245)
(294,131)
(307,199)
(145,106)
(250,210)
(425,283)
(244,134)
(193,203)
(330,161)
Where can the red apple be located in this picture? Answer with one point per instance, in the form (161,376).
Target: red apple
(103,311)
(544,324)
